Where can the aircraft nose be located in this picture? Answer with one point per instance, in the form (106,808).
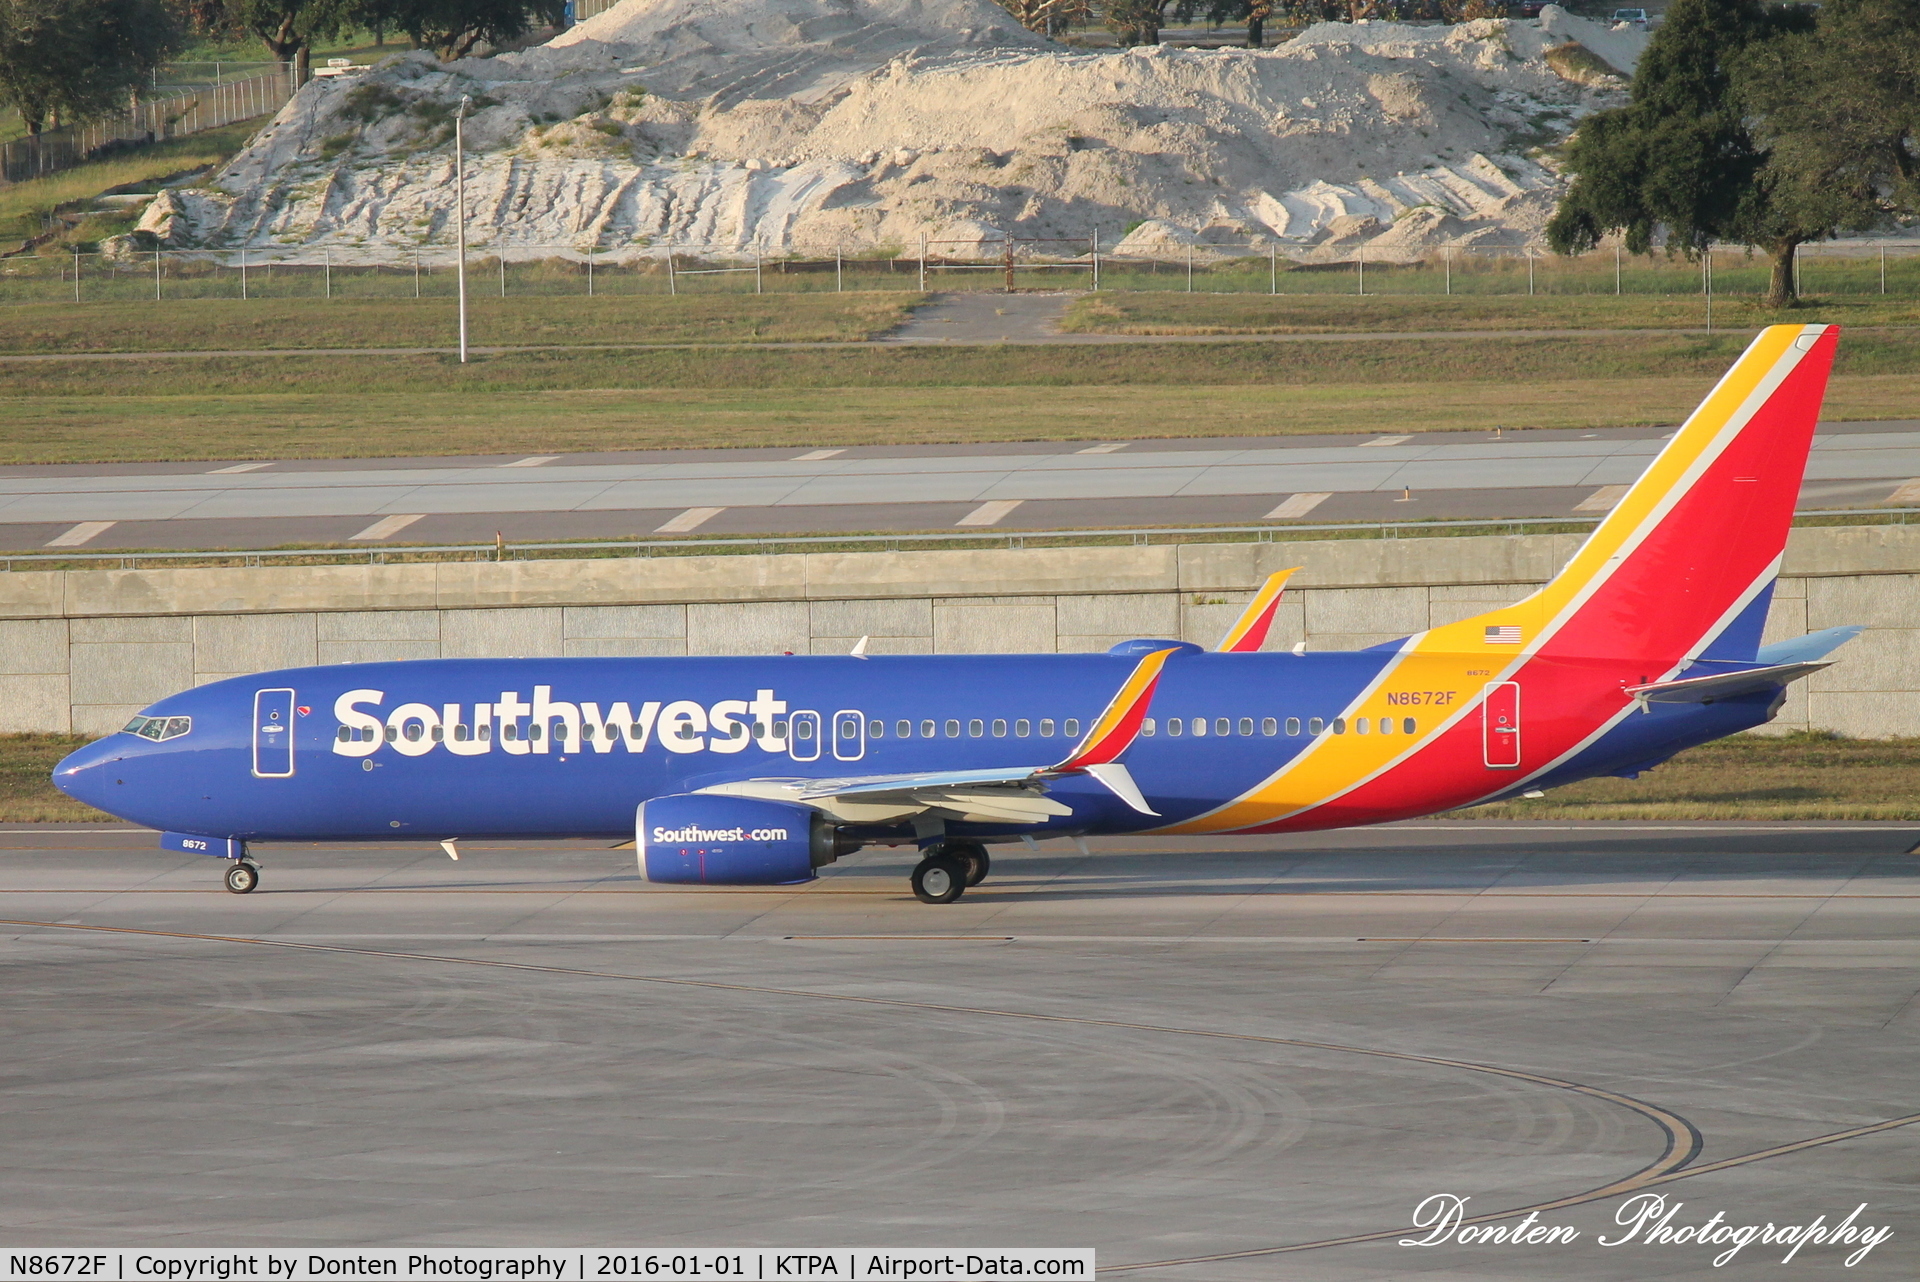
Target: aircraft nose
(86,774)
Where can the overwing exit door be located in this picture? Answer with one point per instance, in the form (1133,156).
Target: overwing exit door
(273,734)
(1500,725)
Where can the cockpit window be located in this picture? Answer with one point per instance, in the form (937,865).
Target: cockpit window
(158,728)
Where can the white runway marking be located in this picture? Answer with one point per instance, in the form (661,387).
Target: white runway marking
(1109,448)
(1602,499)
(388,526)
(815,455)
(1297,506)
(85,532)
(535,461)
(1385,440)
(692,518)
(990,513)
(238,467)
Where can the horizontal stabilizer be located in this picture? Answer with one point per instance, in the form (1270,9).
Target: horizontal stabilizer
(1724,685)
(1814,645)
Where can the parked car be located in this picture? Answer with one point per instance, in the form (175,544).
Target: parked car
(1632,17)
(1532,8)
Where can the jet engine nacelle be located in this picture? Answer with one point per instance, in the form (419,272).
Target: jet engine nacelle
(733,841)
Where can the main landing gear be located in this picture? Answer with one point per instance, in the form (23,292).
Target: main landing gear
(243,876)
(944,875)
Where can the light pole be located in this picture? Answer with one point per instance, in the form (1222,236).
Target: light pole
(460,214)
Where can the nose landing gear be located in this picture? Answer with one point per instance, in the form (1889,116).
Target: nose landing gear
(944,875)
(243,876)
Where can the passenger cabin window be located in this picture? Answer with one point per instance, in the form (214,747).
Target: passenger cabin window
(1269,727)
(1316,726)
(804,730)
(1046,727)
(1223,727)
(1176,727)
(1147,727)
(903,729)
(1072,728)
(976,728)
(1022,728)
(926,729)
(1409,726)
(1199,727)
(1360,725)
(1293,726)
(1339,725)
(999,728)
(159,728)
(953,729)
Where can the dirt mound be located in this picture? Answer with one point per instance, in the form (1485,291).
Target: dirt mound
(780,125)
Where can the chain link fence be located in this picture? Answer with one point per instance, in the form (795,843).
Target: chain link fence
(1855,268)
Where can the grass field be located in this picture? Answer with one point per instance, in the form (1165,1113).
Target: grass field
(1177,313)
(546,402)
(1796,776)
(27,794)
(219,324)
(25,206)
(1799,776)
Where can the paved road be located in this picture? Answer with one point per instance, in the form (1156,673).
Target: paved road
(1033,485)
(1177,1048)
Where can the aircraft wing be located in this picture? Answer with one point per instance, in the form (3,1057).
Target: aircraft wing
(1014,794)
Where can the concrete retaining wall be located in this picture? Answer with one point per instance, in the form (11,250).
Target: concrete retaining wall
(84,650)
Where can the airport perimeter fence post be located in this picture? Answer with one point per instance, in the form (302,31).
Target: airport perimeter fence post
(673,286)
(1529,252)
(416,273)
(76,274)
(923,262)
(1095,254)
(1616,271)
(1273,269)
(839,281)
(328,253)
(1447,256)
(243,273)
(1360,260)
(758,264)
(1883,269)
(502,261)
(1189,267)
(156,275)
(589,271)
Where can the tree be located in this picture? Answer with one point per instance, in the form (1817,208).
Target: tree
(1135,22)
(69,60)
(452,28)
(1838,110)
(1682,153)
(1043,16)
(288,28)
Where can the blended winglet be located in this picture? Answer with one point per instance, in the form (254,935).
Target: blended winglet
(1249,631)
(1116,729)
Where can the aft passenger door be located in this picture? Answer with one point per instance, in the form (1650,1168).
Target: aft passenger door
(1500,725)
(273,734)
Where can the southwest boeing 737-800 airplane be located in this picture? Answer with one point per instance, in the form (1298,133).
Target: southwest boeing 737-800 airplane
(758,771)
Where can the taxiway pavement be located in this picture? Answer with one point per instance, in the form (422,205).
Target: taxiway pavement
(1031,486)
(1176,1050)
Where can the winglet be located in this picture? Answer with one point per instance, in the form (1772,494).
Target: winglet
(1249,631)
(1119,725)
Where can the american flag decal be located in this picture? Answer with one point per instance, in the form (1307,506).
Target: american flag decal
(1503,634)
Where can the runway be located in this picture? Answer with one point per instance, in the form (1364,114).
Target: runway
(1031,485)
(1208,1058)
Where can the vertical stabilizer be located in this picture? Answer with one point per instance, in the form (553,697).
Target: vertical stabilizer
(1690,553)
